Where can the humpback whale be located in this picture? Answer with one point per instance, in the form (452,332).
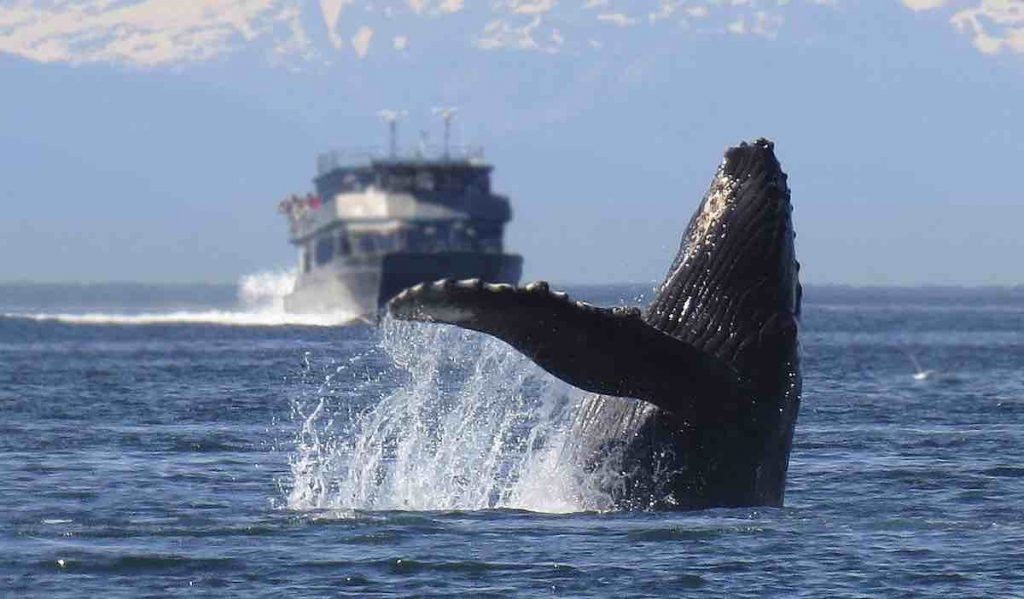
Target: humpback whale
(696,396)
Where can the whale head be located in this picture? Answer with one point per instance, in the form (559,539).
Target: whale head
(735,278)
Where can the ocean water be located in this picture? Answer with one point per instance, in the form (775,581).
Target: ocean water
(196,441)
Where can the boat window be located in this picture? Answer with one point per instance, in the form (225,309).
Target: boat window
(392,242)
(425,180)
(399,180)
(324,250)
(489,236)
(376,243)
(414,238)
(344,247)
(452,181)
(457,236)
(350,182)
(434,237)
(365,243)
(479,182)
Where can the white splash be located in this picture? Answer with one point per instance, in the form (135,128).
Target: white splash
(260,298)
(470,424)
(265,291)
(920,374)
(219,317)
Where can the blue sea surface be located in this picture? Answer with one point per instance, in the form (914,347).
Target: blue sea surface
(210,456)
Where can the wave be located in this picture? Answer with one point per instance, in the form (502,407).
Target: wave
(218,317)
(259,302)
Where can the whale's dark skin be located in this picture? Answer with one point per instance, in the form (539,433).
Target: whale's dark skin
(714,359)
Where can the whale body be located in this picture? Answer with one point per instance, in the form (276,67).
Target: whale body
(696,396)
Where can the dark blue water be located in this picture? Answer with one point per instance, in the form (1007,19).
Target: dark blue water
(217,459)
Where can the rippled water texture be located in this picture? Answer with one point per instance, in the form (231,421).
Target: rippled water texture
(162,457)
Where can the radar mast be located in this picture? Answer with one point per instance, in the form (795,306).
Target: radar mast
(391,117)
(447,114)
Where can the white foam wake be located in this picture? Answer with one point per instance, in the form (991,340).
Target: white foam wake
(462,423)
(220,317)
(260,303)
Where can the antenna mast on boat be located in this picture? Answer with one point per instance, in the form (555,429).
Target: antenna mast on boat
(447,114)
(391,117)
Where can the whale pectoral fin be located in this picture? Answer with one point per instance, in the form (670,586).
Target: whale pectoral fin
(608,351)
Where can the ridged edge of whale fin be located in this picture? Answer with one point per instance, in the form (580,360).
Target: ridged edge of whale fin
(608,351)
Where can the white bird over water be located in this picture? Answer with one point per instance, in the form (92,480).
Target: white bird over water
(921,373)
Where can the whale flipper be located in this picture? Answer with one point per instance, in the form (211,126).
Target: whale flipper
(607,351)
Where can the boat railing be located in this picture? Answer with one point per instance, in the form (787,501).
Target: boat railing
(332,159)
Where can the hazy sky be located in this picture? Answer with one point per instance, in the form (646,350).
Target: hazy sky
(151,140)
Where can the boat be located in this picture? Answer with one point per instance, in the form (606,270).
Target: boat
(381,222)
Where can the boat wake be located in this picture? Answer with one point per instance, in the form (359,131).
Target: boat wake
(215,317)
(260,302)
(456,421)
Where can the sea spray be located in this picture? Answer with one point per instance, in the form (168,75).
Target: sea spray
(456,420)
(264,291)
(260,302)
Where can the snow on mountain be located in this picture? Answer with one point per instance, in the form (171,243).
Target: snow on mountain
(160,33)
